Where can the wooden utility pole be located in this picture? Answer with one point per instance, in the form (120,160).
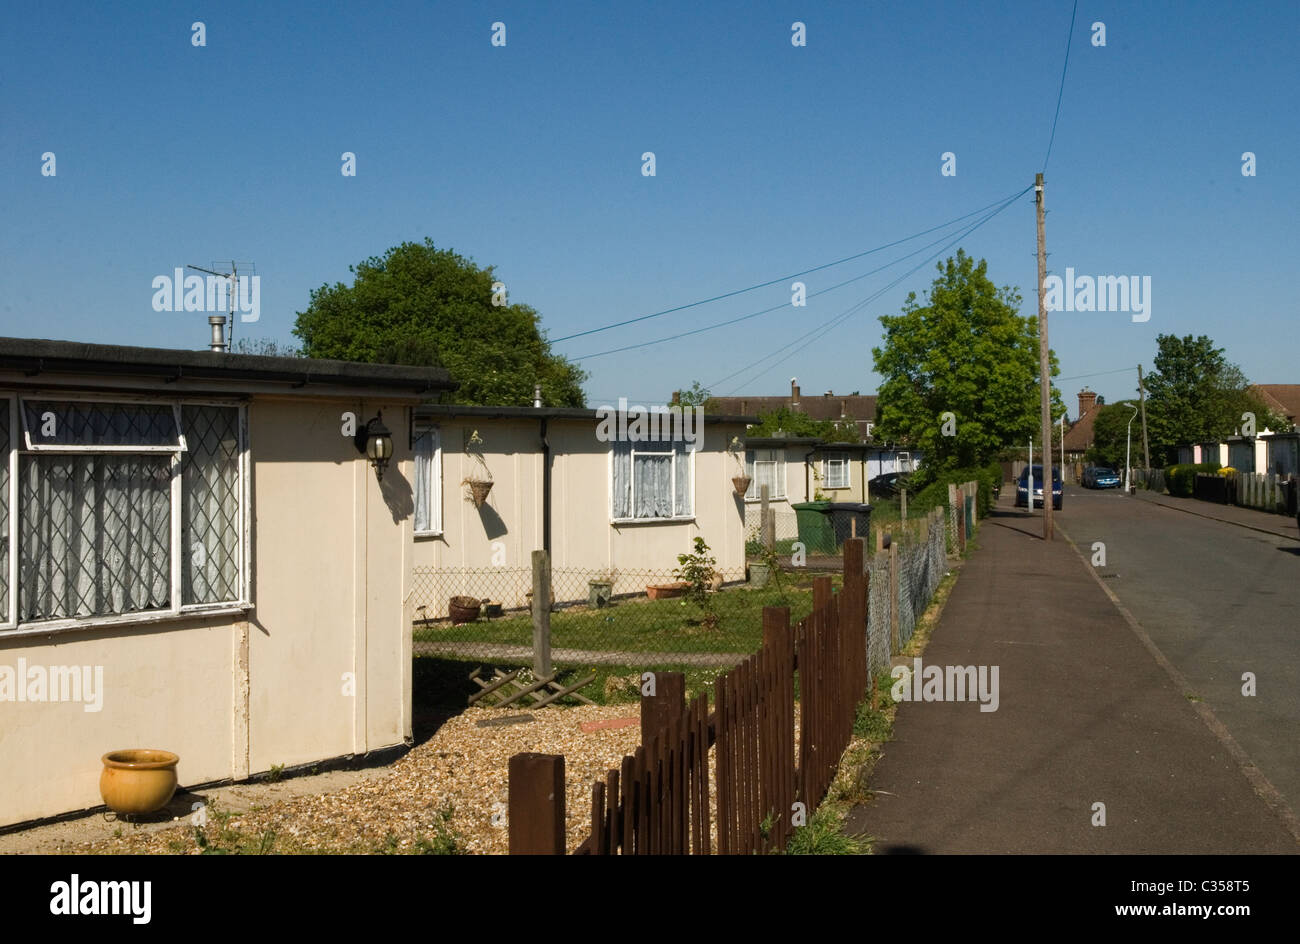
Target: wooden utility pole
(1142,400)
(1044,378)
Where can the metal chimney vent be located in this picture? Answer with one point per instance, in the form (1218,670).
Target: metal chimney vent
(218,342)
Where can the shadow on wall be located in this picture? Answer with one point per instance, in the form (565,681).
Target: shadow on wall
(493,526)
(397,496)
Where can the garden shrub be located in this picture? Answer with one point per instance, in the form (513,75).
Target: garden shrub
(1180,478)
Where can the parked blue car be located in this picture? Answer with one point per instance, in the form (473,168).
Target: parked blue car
(1105,478)
(1022,488)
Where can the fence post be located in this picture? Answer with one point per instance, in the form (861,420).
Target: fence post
(895,644)
(767,519)
(541,613)
(853,614)
(961,525)
(536,807)
(903,507)
(952,516)
(664,706)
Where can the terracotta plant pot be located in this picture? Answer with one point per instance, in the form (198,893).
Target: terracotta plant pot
(663,591)
(462,610)
(138,781)
(741,483)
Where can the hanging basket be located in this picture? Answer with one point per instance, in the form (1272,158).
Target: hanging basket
(478,491)
(741,483)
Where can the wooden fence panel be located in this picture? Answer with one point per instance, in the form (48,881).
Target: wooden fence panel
(658,801)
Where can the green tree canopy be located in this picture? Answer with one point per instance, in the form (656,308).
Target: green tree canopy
(968,352)
(1110,435)
(1195,395)
(787,422)
(425,306)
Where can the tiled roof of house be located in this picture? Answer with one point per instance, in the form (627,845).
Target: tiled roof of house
(1281,398)
(831,406)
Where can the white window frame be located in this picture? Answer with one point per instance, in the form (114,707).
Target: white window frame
(31,446)
(435,480)
(9,624)
(654,449)
(752,493)
(841,459)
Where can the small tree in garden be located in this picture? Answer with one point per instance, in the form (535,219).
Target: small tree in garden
(699,570)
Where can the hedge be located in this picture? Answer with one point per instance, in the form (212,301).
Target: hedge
(935,494)
(1180,478)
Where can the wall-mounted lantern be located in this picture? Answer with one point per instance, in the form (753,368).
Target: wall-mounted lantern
(375,442)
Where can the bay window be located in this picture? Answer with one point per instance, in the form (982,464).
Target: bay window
(651,481)
(119,508)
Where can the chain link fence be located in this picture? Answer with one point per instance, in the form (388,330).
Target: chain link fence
(652,619)
(636,618)
(787,528)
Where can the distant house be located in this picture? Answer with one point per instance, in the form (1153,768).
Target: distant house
(1282,399)
(1080,435)
(199,549)
(841,409)
(620,508)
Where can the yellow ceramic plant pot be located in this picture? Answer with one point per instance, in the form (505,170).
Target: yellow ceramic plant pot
(138,781)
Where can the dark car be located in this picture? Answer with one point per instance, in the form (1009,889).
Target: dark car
(891,483)
(1022,488)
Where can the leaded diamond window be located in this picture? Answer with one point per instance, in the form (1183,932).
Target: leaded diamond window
(210,526)
(92,423)
(102,487)
(96,535)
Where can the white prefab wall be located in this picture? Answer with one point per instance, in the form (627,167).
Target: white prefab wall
(318,668)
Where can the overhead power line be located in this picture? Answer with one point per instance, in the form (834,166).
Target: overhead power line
(1061,91)
(764,311)
(795,275)
(826,326)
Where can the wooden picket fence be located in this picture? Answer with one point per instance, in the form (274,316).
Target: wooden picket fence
(658,801)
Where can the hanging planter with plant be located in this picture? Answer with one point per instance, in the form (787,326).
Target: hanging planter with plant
(478,489)
(742,481)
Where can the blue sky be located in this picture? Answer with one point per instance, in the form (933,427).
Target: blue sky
(770,159)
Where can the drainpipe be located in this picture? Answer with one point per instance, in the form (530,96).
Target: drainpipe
(807,471)
(546,489)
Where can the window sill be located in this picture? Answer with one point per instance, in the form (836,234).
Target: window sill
(428,534)
(622,521)
(771,498)
(199,611)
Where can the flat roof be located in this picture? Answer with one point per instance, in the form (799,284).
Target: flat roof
(549,412)
(35,356)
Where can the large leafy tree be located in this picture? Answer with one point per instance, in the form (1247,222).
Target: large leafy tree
(968,352)
(425,306)
(1195,395)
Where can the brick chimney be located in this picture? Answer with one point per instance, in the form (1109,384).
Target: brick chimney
(1087,400)
(794,393)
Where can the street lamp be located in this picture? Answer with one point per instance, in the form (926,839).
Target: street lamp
(1128,446)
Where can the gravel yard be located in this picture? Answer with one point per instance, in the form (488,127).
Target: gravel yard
(463,767)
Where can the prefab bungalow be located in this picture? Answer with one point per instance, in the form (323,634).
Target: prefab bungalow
(1283,453)
(494,484)
(200,552)
(801,468)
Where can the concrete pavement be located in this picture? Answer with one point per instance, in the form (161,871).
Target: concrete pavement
(1088,714)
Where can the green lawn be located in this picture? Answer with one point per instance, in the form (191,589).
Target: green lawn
(642,625)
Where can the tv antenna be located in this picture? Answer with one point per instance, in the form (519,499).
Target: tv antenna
(223,326)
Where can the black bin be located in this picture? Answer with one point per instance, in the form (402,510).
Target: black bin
(843,514)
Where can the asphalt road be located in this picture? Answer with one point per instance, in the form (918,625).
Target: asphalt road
(1219,601)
